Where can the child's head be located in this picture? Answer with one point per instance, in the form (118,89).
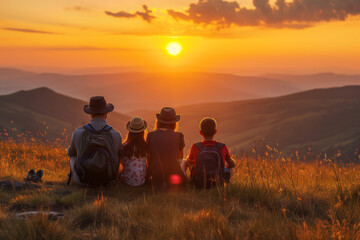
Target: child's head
(208,127)
(135,144)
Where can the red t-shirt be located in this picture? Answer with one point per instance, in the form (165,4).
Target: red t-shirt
(194,152)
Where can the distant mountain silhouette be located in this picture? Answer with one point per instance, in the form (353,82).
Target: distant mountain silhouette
(42,109)
(325,119)
(319,80)
(136,90)
(132,91)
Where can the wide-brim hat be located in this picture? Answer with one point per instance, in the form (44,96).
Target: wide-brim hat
(98,105)
(167,116)
(136,125)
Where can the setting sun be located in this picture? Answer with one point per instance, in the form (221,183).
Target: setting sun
(174,48)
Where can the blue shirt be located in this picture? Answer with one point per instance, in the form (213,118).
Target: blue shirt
(98,124)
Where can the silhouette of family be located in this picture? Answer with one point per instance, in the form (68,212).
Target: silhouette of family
(98,156)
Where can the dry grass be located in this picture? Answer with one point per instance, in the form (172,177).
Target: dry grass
(269,198)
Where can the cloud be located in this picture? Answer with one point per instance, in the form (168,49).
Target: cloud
(74,48)
(296,14)
(25,30)
(146,15)
(86,48)
(77,8)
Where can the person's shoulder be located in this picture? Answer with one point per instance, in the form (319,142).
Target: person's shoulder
(223,145)
(194,145)
(79,130)
(181,135)
(115,132)
(151,133)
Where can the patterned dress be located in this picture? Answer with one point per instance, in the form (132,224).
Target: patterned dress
(134,171)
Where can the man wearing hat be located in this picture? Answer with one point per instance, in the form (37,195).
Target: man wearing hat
(98,109)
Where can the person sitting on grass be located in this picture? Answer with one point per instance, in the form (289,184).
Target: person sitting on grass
(210,161)
(95,148)
(166,150)
(135,150)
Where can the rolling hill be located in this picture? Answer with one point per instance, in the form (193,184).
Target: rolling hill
(135,90)
(132,91)
(325,119)
(42,109)
(319,80)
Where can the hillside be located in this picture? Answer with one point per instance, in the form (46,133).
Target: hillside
(43,109)
(132,91)
(135,90)
(316,200)
(319,80)
(325,119)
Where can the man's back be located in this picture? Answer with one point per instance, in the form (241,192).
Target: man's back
(76,147)
(97,124)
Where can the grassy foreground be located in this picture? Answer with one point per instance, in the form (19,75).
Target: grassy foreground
(267,199)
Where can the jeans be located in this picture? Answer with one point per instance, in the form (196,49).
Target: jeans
(227,175)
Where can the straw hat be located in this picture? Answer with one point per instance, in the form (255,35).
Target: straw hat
(136,125)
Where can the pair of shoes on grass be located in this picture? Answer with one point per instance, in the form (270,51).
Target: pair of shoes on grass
(34,177)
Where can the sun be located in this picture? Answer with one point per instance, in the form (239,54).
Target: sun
(174,48)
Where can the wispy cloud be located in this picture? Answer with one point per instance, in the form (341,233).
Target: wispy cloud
(75,48)
(78,8)
(26,30)
(146,15)
(86,48)
(295,14)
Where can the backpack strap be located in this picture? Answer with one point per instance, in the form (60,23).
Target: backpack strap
(90,128)
(219,146)
(106,128)
(199,146)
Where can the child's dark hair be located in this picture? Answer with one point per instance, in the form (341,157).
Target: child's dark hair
(208,126)
(171,126)
(135,145)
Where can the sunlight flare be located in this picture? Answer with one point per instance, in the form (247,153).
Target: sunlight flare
(174,48)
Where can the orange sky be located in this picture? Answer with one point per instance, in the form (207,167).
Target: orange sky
(43,35)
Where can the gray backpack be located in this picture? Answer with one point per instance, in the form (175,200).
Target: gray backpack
(98,161)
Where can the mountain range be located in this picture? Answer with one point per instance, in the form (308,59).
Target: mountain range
(325,120)
(133,91)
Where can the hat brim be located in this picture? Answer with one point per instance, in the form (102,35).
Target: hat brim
(158,116)
(108,108)
(136,130)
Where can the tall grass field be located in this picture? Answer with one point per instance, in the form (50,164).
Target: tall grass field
(268,198)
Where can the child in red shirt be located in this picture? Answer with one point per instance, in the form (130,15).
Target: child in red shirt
(208,131)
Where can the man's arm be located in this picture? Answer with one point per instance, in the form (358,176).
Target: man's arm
(231,162)
(71,149)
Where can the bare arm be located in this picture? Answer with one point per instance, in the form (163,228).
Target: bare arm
(71,149)
(231,163)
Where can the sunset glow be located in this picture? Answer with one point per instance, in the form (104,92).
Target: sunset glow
(55,34)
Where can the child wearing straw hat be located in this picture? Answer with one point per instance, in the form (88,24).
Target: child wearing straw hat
(135,150)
